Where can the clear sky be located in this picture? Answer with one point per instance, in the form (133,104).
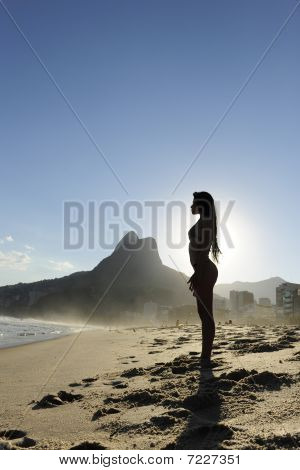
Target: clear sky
(149,81)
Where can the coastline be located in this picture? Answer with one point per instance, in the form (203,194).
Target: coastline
(18,332)
(29,343)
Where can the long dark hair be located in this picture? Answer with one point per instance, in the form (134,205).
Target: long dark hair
(206,202)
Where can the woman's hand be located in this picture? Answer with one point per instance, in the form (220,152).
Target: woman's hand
(195,281)
(191,283)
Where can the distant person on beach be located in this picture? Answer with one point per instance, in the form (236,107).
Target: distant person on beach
(203,240)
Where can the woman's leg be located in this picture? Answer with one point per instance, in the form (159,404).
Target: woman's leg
(204,296)
(205,310)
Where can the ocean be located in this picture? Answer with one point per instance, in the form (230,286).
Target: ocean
(14,331)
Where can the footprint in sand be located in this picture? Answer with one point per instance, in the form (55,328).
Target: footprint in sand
(133,359)
(15,438)
(133,372)
(12,434)
(116,383)
(90,379)
(87,382)
(121,385)
(140,397)
(86,445)
(280,442)
(183,339)
(242,379)
(26,443)
(104,412)
(51,401)
(163,421)
(202,437)
(295,357)
(84,382)
(159,341)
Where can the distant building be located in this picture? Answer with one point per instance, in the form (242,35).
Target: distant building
(242,301)
(163,313)
(220,308)
(219,303)
(288,299)
(234,300)
(183,313)
(264,302)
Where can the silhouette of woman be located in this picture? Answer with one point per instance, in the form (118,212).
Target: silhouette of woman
(203,239)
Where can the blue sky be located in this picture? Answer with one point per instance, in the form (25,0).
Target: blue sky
(149,80)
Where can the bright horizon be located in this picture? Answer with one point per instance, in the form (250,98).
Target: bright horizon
(113,101)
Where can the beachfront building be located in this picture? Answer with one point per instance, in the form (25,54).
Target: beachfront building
(264,302)
(288,300)
(219,303)
(242,301)
(183,314)
(221,308)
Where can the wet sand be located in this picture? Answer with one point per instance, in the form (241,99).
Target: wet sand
(143,389)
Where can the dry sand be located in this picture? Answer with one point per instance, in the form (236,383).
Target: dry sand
(143,389)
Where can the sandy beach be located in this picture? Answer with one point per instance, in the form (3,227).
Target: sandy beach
(143,389)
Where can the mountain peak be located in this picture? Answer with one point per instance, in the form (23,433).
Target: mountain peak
(131,241)
(141,251)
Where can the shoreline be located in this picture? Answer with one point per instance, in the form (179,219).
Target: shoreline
(40,336)
(92,328)
(29,343)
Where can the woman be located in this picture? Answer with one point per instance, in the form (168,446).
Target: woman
(203,239)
